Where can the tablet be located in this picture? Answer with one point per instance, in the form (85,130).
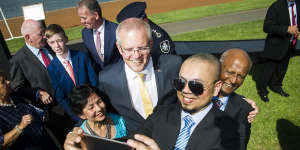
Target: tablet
(90,142)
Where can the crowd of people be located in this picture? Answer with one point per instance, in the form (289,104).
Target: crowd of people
(128,84)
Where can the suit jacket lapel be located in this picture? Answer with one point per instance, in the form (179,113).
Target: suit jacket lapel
(34,59)
(158,79)
(173,128)
(203,125)
(107,42)
(75,63)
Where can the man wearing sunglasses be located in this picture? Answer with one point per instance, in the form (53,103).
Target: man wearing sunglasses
(194,123)
(138,83)
(236,64)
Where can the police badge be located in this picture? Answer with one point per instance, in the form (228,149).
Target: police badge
(165,47)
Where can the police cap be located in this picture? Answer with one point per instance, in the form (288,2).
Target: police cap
(132,10)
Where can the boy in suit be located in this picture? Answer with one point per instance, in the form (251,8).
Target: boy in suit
(68,69)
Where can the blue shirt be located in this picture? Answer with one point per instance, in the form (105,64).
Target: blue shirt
(197,117)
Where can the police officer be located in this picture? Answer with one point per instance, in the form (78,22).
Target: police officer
(162,43)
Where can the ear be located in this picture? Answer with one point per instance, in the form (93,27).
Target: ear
(96,15)
(218,86)
(27,38)
(119,48)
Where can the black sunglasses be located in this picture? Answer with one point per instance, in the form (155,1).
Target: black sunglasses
(195,86)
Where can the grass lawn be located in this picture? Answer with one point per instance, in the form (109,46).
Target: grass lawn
(212,10)
(240,31)
(277,125)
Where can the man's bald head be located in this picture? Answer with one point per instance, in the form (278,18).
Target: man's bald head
(236,64)
(236,53)
(30,26)
(33,33)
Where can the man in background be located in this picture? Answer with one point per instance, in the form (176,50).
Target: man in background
(98,35)
(162,43)
(235,66)
(281,26)
(28,67)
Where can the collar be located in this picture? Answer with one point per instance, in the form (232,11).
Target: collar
(290,3)
(147,70)
(224,99)
(34,50)
(67,58)
(101,28)
(197,117)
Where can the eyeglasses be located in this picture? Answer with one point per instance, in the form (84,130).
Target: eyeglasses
(195,86)
(142,50)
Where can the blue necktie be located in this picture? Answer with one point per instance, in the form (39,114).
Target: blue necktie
(185,133)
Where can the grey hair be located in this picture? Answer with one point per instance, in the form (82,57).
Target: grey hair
(133,24)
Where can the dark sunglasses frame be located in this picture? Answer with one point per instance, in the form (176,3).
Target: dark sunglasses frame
(195,86)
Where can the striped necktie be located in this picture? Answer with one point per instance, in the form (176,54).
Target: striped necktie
(185,133)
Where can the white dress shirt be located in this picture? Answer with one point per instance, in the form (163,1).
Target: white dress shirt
(63,59)
(197,117)
(133,86)
(36,52)
(101,29)
(291,16)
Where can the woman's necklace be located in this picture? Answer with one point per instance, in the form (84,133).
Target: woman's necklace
(10,104)
(108,129)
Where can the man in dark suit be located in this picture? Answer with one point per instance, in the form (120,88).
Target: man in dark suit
(28,67)
(120,82)
(98,35)
(282,33)
(235,66)
(162,43)
(194,123)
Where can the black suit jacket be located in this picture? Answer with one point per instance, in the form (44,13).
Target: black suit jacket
(216,131)
(113,82)
(238,109)
(28,74)
(276,26)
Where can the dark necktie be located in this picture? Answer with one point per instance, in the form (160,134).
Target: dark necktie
(45,58)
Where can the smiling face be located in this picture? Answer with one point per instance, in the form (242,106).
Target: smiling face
(94,110)
(57,42)
(87,18)
(194,103)
(138,43)
(233,74)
